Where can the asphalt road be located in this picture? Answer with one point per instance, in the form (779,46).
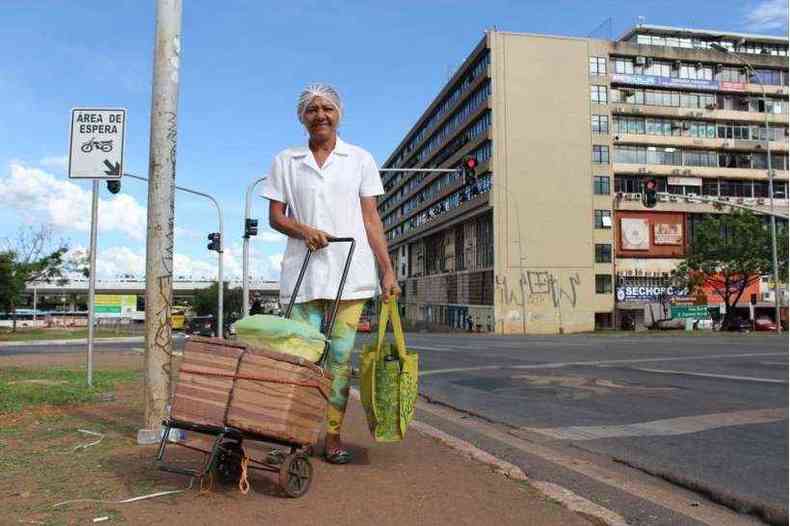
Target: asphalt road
(705,412)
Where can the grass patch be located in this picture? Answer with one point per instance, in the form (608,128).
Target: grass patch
(25,335)
(24,387)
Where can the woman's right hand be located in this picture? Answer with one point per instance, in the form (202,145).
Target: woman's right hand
(315,239)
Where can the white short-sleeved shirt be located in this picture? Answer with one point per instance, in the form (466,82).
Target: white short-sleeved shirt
(326,198)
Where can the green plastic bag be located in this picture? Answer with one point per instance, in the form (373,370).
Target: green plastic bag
(388,380)
(282,335)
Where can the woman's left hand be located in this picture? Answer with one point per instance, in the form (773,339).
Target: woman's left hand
(389,286)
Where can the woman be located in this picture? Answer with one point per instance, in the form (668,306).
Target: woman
(329,188)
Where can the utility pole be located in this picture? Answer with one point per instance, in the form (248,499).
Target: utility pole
(161,205)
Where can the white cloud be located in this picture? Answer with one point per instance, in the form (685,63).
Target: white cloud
(276,260)
(38,195)
(270,236)
(767,15)
(116,261)
(61,163)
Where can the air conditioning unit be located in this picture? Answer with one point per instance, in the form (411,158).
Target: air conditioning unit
(663,198)
(640,60)
(700,65)
(710,106)
(687,171)
(637,197)
(619,195)
(673,199)
(692,195)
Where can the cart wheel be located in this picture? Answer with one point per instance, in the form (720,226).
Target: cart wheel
(228,463)
(296,473)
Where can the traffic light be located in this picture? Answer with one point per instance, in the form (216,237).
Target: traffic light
(649,198)
(214,242)
(250,227)
(469,166)
(114,185)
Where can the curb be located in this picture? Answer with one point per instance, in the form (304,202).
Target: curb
(77,341)
(549,490)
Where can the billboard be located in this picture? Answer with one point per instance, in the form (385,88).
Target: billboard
(635,233)
(115,305)
(667,82)
(648,294)
(668,234)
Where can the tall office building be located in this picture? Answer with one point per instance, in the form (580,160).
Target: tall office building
(552,236)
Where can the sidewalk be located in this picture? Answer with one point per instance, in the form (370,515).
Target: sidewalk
(419,481)
(75,341)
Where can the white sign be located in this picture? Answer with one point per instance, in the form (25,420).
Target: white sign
(97,139)
(635,234)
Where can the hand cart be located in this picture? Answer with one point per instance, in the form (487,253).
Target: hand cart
(226,457)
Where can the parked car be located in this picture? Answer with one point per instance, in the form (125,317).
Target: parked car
(739,325)
(200,325)
(764,325)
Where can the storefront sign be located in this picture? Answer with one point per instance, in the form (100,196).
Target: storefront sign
(667,82)
(690,312)
(635,233)
(684,181)
(732,86)
(667,233)
(625,294)
(115,305)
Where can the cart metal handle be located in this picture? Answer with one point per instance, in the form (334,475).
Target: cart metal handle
(331,239)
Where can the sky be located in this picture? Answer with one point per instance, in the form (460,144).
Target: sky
(243,64)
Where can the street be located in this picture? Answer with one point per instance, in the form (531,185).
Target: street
(704,412)
(629,422)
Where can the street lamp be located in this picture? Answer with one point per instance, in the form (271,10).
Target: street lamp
(245,258)
(752,74)
(221,289)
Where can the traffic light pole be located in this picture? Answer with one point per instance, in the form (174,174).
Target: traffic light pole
(712,200)
(219,253)
(245,257)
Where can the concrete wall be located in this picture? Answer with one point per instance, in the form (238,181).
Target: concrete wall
(542,192)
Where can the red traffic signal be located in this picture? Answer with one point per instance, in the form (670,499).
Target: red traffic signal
(469,166)
(650,198)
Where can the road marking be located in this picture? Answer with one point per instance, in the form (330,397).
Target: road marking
(667,427)
(574,502)
(711,375)
(656,491)
(555,365)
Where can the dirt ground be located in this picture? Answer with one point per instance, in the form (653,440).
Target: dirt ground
(418,481)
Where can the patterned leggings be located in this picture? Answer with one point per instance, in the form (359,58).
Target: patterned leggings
(339,359)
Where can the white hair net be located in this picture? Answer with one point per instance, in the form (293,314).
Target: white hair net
(324,91)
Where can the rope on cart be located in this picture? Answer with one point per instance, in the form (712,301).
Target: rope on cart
(313,384)
(244,483)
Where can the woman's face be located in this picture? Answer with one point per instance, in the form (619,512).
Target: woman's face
(320,119)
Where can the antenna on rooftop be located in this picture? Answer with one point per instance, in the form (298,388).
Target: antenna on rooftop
(602,30)
(640,21)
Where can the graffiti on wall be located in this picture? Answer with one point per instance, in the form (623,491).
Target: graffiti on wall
(537,287)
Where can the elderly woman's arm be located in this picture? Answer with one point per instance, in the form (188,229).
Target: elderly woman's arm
(378,243)
(281,222)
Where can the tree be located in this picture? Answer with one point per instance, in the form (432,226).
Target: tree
(729,252)
(205,302)
(30,257)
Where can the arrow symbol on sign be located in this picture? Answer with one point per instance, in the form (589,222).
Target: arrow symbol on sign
(113,169)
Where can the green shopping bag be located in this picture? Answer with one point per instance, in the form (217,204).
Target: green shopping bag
(388,380)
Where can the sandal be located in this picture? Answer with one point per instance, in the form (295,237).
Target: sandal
(338,456)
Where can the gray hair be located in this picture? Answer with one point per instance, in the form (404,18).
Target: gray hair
(319,90)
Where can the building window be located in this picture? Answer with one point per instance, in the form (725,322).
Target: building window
(598,95)
(597,66)
(603,218)
(603,284)
(603,320)
(601,185)
(600,154)
(603,253)
(600,124)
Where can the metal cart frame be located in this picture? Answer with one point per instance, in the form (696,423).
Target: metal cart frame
(226,454)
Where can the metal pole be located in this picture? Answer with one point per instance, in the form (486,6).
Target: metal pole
(221,228)
(245,255)
(92,279)
(35,302)
(774,260)
(161,204)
